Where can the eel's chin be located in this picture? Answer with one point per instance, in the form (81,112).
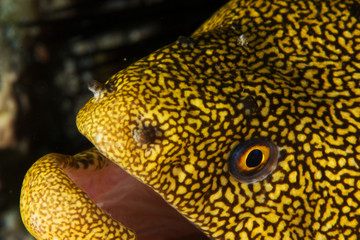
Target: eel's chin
(133,204)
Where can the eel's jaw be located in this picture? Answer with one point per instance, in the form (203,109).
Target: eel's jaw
(50,193)
(53,207)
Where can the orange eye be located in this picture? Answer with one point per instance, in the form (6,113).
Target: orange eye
(253,160)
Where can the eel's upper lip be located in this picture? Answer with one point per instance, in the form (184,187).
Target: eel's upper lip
(133,204)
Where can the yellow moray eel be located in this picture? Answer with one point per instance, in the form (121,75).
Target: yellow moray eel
(249,129)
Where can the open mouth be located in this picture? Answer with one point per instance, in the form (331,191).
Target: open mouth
(133,204)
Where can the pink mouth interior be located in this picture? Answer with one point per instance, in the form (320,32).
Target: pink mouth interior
(133,204)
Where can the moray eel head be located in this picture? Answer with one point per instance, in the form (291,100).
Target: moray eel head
(176,128)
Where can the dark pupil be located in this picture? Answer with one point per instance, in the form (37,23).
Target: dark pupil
(254,158)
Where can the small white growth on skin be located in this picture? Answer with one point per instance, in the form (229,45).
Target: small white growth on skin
(242,40)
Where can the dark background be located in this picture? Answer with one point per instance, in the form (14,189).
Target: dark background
(49,51)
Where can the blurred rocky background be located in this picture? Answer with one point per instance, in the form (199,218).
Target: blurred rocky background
(49,51)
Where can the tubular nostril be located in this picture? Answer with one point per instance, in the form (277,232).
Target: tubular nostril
(96,88)
(99,89)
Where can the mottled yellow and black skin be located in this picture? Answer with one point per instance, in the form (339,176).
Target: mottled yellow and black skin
(283,71)
(53,207)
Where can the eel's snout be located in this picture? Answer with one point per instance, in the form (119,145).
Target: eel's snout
(104,120)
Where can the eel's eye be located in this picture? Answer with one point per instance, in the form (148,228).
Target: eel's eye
(253,160)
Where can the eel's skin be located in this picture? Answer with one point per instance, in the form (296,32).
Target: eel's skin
(285,72)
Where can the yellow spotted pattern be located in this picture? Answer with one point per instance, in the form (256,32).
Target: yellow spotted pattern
(284,71)
(53,207)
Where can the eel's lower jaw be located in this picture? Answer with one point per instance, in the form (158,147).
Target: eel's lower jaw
(133,204)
